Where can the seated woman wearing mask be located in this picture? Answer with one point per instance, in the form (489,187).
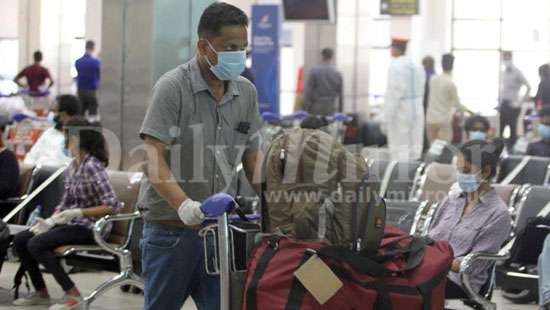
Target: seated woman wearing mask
(87,197)
(542,147)
(476,127)
(475,219)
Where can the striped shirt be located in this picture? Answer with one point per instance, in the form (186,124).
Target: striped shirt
(483,229)
(86,186)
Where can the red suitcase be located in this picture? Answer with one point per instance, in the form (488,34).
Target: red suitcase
(407,273)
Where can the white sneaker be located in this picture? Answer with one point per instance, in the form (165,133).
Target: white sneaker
(33,299)
(68,303)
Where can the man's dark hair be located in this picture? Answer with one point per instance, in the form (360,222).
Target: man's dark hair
(69,104)
(219,15)
(544,72)
(37,56)
(544,111)
(429,63)
(400,46)
(327,53)
(447,62)
(471,121)
(90,136)
(90,45)
(482,154)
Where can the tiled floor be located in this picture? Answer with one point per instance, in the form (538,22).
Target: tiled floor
(115,299)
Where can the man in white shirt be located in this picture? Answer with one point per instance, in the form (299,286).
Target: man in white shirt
(442,103)
(511,82)
(48,150)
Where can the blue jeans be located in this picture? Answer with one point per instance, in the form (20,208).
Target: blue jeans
(173,269)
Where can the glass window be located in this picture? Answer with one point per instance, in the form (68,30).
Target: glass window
(373,8)
(526,34)
(78,46)
(379,32)
(476,34)
(528,62)
(288,84)
(477,9)
(525,30)
(346,8)
(476,74)
(9,49)
(525,9)
(346,31)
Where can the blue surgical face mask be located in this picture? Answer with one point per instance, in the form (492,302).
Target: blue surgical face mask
(544,131)
(51,119)
(67,152)
(477,135)
(468,182)
(230,64)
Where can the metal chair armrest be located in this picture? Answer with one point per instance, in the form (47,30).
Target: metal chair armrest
(100,225)
(465,266)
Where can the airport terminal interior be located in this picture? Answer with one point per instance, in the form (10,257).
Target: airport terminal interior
(275,154)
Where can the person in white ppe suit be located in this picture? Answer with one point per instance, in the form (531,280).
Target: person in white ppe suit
(403,110)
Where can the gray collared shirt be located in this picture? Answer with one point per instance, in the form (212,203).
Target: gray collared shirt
(511,82)
(206,139)
(483,229)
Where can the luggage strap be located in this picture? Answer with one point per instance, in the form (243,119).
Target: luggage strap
(517,169)
(372,265)
(261,267)
(383,299)
(297,290)
(426,289)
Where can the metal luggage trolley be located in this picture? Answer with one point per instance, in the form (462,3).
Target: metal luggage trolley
(231,234)
(337,125)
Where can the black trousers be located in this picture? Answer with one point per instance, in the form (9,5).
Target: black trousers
(33,250)
(454,291)
(509,117)
(88,99)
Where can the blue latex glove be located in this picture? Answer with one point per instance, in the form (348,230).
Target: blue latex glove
(270,117)
(217,205)
(341,117)
(299,115)
(18,117)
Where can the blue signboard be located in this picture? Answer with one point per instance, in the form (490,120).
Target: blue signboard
(266,32)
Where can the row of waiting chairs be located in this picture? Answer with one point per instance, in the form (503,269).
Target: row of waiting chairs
(112,254)
(412,202)
(414,180)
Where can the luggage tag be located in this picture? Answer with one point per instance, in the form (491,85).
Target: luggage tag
(318,279)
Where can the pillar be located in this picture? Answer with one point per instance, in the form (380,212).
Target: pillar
(141,40)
